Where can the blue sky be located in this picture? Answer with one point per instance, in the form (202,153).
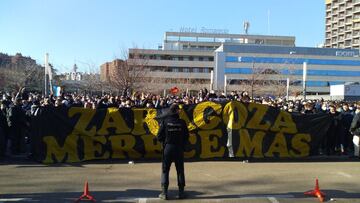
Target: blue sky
(92,32)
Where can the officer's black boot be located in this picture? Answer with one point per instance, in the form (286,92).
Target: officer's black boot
(164,194)
(181,194)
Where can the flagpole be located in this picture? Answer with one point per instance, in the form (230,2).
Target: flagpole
(211,80)
(45,79)
(304,79)
(225,84)
(287,88)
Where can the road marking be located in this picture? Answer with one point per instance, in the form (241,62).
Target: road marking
(273,200)
(142,200)
(211,176)
(344,174)
(127,198)
(14,199)
(136,199)
(266,196)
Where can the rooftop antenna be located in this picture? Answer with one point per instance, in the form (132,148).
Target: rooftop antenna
(246,27)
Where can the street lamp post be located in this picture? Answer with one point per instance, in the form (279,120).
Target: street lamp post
(211,79)
(225,84)
(304,79)
(287,88)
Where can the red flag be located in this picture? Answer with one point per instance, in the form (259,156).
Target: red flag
(174,90)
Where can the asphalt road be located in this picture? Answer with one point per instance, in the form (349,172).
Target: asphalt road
(212,181)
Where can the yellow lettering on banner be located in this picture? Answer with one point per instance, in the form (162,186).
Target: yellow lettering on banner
(149,120)
(152,146)
(229,115)
(300,142)
(284,123)
(210,146)
(249,145)
(121,144)
(199,117)
(93,147)
(192,141)
(68,151)
(85,117)
(113,119)
(185,117)
(278,146)
(255,121)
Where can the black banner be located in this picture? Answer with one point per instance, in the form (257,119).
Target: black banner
(217,130)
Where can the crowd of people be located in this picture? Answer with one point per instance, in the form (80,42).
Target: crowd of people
(18,109)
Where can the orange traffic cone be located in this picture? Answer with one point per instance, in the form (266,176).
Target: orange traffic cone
(86,194)
(316,192)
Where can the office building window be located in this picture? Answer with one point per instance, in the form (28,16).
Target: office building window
(185,70)
(196,70)
(298,72)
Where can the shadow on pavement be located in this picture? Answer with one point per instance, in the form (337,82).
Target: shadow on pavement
(129,195)
(23,161)
(331,195)
(135,195)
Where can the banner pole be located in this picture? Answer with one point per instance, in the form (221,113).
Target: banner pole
(225,84)
(304,79)
(211,79)
(287,88)
(46,72)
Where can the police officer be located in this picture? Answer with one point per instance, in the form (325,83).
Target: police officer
(3,130)
(16,123)
(355,131)
(173,134)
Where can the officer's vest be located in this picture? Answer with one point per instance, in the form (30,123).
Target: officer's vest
(174,133)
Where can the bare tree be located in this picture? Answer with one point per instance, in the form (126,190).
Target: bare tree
(91,79)
(279,77)
(129,73)
(255,81)
(266,79)
(275,83)
(20,75)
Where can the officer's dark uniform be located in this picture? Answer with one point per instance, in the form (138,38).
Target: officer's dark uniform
(3,136)
(355,130)
(346,139)
(174,135)
(16,123)
(3,128)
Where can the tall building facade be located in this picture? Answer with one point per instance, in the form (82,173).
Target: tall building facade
(267,68)
(186,59)
(107,69)
(342,24)
(240,62)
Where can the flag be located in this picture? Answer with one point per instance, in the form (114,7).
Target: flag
(174,90)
